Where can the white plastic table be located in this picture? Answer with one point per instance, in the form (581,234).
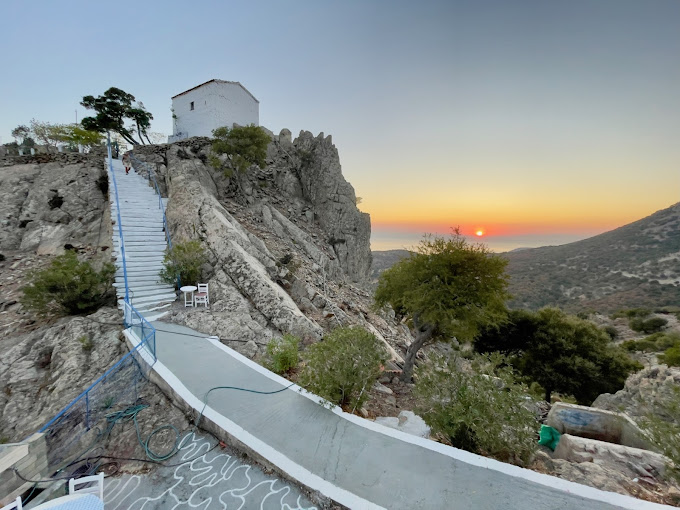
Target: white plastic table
(188,289)
(73,502)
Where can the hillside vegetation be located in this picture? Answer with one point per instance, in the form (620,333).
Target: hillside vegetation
(637,265)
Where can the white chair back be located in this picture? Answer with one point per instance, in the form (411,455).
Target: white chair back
(202,296)
(14,505)
(97,488)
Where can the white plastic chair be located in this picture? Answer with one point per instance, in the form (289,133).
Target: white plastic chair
(201,296)
(97,489)
(14,505)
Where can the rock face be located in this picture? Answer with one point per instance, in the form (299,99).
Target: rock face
(46,206)
(284,242)
(606,477)
(640,389)
(45,369)
(334,203)
(633,462)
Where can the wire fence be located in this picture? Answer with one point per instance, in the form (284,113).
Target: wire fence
(81,425)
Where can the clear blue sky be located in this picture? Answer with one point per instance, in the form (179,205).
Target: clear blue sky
(522,118)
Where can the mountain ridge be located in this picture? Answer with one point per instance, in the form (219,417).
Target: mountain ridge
(637,264)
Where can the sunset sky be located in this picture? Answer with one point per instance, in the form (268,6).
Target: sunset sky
(536,121)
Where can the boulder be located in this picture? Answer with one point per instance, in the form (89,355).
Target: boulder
(597,424)
(633,462)
(641,388)
(408,422)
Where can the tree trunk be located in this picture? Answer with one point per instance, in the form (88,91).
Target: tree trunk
(548,391)
(422,336)
(139,132)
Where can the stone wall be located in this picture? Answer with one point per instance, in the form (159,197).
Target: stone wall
(29,458)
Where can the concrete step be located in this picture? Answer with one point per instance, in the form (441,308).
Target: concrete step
(149,236)
(126,223)
(139,267)
(137,257)
(168,297)
(134,294)
(142,247)
(136,281)
(162,243)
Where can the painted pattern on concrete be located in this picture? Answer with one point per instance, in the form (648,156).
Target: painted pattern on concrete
(217,479)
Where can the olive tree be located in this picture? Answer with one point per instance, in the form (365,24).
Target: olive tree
(560,352)
(112,108)
(247,145)
(447,289)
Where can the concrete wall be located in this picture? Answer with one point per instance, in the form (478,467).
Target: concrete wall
(593,423)
(216,104)
(29,458)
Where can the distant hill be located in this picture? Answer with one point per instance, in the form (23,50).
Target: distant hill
(384,260)
(635,265)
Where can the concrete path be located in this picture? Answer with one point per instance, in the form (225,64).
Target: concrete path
(207,479)
(354,461)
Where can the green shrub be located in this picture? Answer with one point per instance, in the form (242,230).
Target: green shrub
(282,354)
(662,423)
(185,259)
(247,145)
(68,287)
(647,326)
(664,340)
(612,332)
(632,313)
(86,343)
(671,357)
(639,346)
(638,312)
(343,366)
(483,411)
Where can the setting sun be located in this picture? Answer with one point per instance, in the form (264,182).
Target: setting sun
(479,233)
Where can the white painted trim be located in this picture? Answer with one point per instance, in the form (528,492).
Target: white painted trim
(14,454)
(353,501)
(553,482)
(290,467)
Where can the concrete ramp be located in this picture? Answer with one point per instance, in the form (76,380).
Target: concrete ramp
(355,462)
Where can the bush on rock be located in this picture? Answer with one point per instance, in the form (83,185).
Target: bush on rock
(184,260)
(282,354)
(481,410)
(343,367)
(68,287)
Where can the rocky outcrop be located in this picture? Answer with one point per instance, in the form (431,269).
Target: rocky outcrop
(641,389)
(609,477)
(44,207)
(333,202)
(44,370)
(284,242)
(251,305)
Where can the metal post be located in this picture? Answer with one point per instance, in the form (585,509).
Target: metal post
(87,411)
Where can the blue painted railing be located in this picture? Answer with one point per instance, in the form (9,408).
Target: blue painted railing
(132,320)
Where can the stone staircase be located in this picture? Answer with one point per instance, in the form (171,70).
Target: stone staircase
(145,244)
